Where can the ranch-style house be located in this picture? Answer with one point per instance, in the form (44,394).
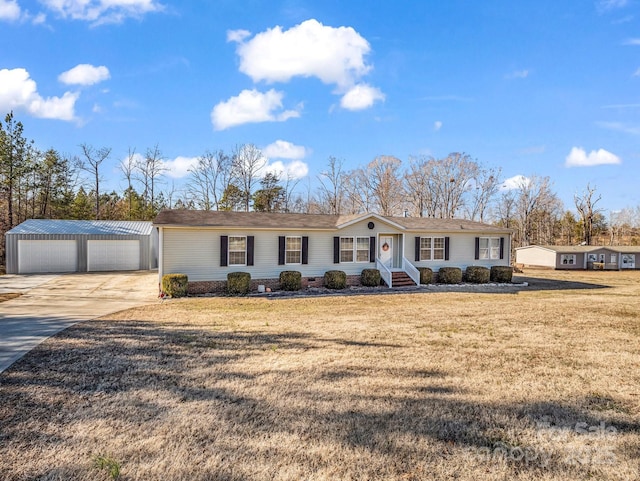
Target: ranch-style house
(207,245)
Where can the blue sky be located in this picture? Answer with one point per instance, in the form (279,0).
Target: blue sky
(545,88)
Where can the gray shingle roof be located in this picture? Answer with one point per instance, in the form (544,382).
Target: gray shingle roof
(267,220)
(83,227)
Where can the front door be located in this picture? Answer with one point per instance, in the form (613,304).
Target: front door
(386,250)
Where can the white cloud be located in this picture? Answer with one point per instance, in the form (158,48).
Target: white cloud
(604,5)
(296,169)
(518,74)
(179,167)
(632,41)
(310,49)
(281,149)
(578,157)
(19,91)
(85,74)
(250,106)
(10,10)
(237,35)
(620,127)
(437,125)
(637,73)
(361,96)
(102,11)
(515,182)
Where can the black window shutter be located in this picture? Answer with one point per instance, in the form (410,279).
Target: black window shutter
(250,244)
(305,249)
(501,247)
(336,250)
(224,250)
(281,249)
(417,255)
(446,248)
(372,249)
(477,248)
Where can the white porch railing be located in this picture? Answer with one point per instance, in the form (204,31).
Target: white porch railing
(411,270)
(385,272)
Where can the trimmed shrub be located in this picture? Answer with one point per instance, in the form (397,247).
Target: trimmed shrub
(450,275)
(290,280)
(477,274)
(175,285)
(335,280)
(370,277)
(501,274)
(426,275)
(238,283)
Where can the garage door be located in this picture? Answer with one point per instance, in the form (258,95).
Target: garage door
(113,255)
(36,256)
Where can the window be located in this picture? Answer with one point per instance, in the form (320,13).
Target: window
(346,249)
(293,250)
(237,251)
(489,248)
(568,259)
(354,249)
(425,248)
(613,258)
(431,248)
(362,249)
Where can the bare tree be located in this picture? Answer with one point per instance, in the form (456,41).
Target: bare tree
(486,185)
(150,169)
(536,203)
(418,185)
(506,209)
(247,165)
(586,206)
(331,192)
(128,168)
(453,177)
(384,181)
(90,163)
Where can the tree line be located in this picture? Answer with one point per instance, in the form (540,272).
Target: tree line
(48,185)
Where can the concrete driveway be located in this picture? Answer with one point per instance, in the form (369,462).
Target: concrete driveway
(51,303)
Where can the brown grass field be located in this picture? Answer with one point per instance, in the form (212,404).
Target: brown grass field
(536,383)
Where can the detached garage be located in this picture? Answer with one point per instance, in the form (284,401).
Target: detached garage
(38,246)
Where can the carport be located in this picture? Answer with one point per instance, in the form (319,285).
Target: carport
(41,246)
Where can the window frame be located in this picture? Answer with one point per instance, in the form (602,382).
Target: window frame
(491,250)
(360,251)
(354,250)
(433,250)
(287,250)
(351,250)
(570,258)
(229,251)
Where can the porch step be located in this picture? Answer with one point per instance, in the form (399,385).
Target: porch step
(401,279)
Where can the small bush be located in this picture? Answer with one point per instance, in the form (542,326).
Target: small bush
(335,280)
(238,283)
(477,274)
(450,275)
(426,275)
(175,285)
(501,274)
(290,280)
(370,278)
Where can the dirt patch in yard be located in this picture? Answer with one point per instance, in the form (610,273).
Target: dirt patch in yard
(8,296)
(541,384)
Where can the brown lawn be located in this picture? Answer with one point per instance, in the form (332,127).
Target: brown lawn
(540,383)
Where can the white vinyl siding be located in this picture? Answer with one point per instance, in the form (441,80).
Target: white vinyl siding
(237,250)
(113,255)
(293,250)
(39,256)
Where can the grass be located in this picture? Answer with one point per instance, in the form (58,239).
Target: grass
(536,384)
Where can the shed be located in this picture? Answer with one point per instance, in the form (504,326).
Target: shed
(39,245)
(578,257)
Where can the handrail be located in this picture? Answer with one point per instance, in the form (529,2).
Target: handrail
(411,270)
(385,273)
